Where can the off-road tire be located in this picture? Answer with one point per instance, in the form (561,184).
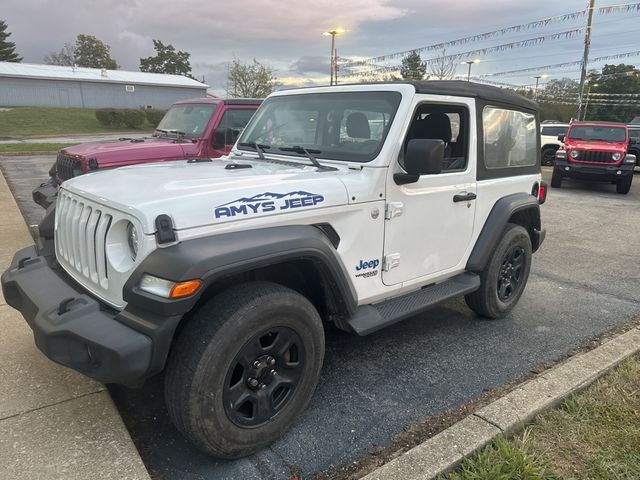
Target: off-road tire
(211,343)
(624,184)
(556,179)
(548,155)
(486,301)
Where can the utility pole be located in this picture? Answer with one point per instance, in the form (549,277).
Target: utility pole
(333,59)
(585,58)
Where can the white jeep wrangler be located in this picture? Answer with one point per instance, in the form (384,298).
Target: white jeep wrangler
(357,205)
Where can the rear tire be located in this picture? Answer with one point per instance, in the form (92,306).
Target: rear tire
(243,368)
(505,276)
(556,179)
(624,185)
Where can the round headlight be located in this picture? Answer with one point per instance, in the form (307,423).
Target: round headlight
(132,238)
(574,154)
(616,157)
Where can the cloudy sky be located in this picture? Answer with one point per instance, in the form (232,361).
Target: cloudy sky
(287,34)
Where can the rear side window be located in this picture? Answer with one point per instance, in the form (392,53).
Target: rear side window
(510,138)
(554,131)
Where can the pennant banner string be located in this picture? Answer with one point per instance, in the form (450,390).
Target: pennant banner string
(611,9)
(483,51)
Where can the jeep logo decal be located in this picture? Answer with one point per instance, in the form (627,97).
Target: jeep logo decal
(268,202)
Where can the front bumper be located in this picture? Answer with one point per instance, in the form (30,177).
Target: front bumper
(588,171)
(75,330)
(45,195)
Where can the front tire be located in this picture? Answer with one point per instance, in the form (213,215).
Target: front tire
(556,179)
(548,155)
(505,276)
(624,185)
(243,368)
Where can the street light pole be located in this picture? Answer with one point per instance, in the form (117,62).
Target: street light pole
(469,63)
(535,92)
(333,79)
(585,58)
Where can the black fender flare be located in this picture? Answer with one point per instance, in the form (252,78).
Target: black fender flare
(218,256)
(502,211)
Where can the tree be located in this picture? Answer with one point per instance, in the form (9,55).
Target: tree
(167,60)
(614,79)
(7,48)
(93,53)
(413,68)
(250,81)
(442,67)
(88,51)
(66,56)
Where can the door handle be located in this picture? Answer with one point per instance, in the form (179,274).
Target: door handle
(464,197)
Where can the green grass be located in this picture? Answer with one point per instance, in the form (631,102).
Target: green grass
(25,122)
(594,435)
(31,147)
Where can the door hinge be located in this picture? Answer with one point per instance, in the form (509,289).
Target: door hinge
(390,261)
(393,209)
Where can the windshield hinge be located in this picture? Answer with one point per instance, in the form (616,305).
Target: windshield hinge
(393,209)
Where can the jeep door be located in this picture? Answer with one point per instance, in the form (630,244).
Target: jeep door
(429,223)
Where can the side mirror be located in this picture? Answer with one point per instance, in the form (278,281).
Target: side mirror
(218,139)
(423,157)
(561,138)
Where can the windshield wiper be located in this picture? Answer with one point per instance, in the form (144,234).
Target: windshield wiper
(258,147)
(309,154)
(171,130)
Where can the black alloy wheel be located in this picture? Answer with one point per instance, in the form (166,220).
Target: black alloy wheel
(511,272)
(263,377)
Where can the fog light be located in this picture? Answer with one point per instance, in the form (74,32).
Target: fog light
(618,172)
(567,169)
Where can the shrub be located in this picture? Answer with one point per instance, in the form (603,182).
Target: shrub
(110,117)
(133,118)
(154,116)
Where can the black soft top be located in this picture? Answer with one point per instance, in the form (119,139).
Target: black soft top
(242,101)
(461,88)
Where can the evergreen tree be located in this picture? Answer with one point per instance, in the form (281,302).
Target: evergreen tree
(413,68)
(7,48)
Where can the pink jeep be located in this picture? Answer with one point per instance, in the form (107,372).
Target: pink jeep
(191,129)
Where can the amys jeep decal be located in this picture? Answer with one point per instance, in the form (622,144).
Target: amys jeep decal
(268,202)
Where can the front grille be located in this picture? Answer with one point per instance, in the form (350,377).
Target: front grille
(67,167)
(81,237)
(595,157)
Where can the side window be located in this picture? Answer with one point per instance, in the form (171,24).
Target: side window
(510,138)
(449,123)
(233,122)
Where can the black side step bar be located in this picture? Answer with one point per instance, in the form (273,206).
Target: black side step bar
(370,318)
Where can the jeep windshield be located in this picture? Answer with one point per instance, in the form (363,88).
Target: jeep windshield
(598,133)
(348,126)
(188,119)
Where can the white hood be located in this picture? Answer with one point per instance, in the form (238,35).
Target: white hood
(205,193)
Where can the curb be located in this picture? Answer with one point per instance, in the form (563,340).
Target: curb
(509,414)
(28,154)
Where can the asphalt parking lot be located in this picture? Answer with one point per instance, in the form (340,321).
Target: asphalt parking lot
(585,280)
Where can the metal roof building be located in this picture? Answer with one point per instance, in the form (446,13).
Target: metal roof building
(23,84)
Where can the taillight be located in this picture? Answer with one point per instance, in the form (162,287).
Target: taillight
(540,191)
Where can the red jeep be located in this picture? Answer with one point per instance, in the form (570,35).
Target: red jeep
(191,129)
(595,151)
